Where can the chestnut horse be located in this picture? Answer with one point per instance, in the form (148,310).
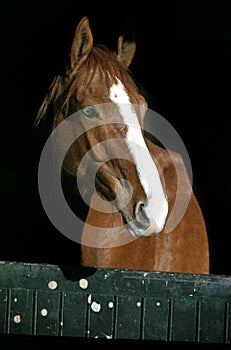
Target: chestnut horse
(136,180)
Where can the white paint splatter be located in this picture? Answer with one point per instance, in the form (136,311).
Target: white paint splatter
(44,312)
(17,319)
(108,336)
(52,285)
(96,307)
(83,283)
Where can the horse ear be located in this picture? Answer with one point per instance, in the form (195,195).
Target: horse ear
(126,51)
(82,43)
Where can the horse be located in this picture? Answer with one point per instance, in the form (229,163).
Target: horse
(134,179)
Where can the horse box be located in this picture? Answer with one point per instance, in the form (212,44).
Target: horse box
(40,299)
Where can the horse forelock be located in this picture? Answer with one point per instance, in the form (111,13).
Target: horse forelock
(100,61)
(104,63)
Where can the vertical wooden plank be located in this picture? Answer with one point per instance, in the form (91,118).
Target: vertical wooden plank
(155,316)
(3,310)
(101,316)
(212,321)
(198,328)
(227,335)
(128,323)
(228,323)
(184,320)
(48,312)
(21,311)
(74,314)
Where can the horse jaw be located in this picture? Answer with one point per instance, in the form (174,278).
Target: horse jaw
(103,229)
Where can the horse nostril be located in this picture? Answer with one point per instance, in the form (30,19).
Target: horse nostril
(140,215)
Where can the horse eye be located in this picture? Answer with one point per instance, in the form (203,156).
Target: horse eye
(90,112)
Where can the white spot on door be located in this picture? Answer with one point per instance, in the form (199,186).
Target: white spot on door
(95,307)
(17,319)
(52,285)
(44,312)
(83,283)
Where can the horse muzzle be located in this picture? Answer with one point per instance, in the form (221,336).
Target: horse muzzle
(144,225)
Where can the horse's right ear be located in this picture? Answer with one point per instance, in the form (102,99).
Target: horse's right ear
(82,43)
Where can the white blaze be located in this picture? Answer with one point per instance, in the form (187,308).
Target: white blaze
(157,207)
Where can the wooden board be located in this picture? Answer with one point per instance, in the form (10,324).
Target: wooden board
(39,299)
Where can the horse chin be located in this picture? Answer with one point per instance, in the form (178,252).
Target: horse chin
(143,232)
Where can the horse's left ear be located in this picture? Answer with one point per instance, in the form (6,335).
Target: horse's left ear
(82,43)
(126,51)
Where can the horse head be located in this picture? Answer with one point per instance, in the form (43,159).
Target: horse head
(110,153)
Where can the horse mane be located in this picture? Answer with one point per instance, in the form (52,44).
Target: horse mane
(100,59)
(53,93)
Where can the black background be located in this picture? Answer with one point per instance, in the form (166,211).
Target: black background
(183,60)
